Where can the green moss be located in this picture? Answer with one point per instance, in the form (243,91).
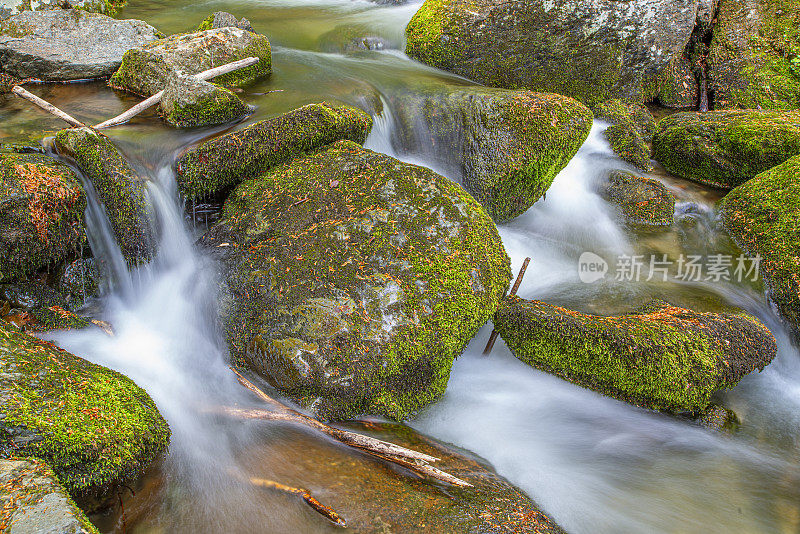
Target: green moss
(205,108)
(726,148)
(662,357)
(763,217)
(41,213)
(207,24)
(642,201)
(375,273)
(119,188)
(630,131)
(106,7)
(222,162)
(93,426)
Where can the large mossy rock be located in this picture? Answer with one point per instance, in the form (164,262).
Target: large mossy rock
(661,357)
(641,201)
(67,44)
(227,160)
(594,50)
(145,70)
(41,213)
(106,7)
(726,148)
(119,188)
(189,102)
(354,280)
(93,426)
(763,217)
(34,502)
(509,145)
(630,131)
(754,57)
(375,498)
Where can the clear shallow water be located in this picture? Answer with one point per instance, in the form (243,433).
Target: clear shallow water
(594,464)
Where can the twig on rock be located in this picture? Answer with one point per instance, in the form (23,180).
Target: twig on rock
(517,283)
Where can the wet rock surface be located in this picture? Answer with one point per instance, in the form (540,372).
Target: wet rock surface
(641,201)
(217,164)
(353,279)
(189,102)
(67,44)
(145,70)
(630,131)
(223,19)
(661,357)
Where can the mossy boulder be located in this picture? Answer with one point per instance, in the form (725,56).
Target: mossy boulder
(145,70)
(106,7)
(189,102)
(41,213)
(37,307)
(661,357)
(508,145)
(763,217)
(590,50)
(33,501)
(223,19)
(641,201)
(93,426)
(754,56)
(375,498)
(630,131)
(353,280)
(726,148)
(679,87)
(225,161)
(118,187)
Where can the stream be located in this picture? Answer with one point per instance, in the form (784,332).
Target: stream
(596,465)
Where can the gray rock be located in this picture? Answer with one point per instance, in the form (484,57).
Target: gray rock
(107,7)
(68,44)
(144,71)
(593,50)
(189,102)
(36,503)
(223,19)
(351,38)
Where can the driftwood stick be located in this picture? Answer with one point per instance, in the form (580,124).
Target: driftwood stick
(45,105)
(320,508)
(517,283)
(156,98)
(410,459)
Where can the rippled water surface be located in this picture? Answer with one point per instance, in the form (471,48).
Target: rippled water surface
(596,465)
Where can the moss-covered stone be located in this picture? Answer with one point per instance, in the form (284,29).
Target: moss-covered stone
(93,426)
(37,307)
(679,88)
(118,187)
(33,501)
(509,145)
(763,217)
(661,357)
(41,213)
(145,70)
(353,279)
(726,148)
(222,19)
(641,201)
(6,83)
(593,51)
(189,102)
(755,55)
(225,161)
(630,131)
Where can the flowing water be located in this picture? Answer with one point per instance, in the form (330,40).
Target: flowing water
(596,465)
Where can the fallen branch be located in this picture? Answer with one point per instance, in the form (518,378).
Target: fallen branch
(410,459)
(45,105)
(517,283)
(156,98)
(320,508)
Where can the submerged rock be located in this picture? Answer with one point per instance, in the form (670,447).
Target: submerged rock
(145,70)
(189,102)
(642,201)
(118,187)
(763,217)
(630,132)
(753,54)
(726,148)
(225,161)
(509,145)
(67,44)
(718,418)
(350,38)
(594,51)
(661,357)
(93,426)
(34,502)
(223,19)
(375,499)
(353,279)
(41,213)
